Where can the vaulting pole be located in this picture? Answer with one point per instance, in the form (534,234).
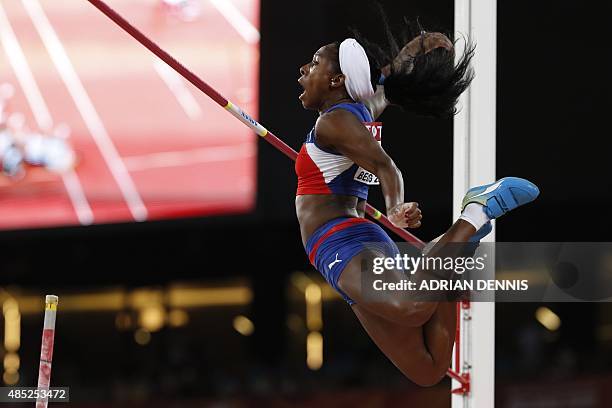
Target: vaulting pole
(229,106)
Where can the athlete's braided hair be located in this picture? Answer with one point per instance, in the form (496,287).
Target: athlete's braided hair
(429,84)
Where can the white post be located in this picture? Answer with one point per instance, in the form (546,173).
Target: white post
(474,164)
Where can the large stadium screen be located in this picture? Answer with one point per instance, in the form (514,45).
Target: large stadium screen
(95,129)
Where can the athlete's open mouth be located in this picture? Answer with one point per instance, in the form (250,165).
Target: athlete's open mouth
(302,85)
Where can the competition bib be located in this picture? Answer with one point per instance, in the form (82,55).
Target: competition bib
(362,175)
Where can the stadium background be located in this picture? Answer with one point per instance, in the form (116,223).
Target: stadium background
(214,278)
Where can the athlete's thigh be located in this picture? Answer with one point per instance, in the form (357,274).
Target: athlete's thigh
(403,345)
(354,279)
(350,278)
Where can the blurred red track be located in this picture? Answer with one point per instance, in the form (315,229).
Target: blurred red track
(184,155)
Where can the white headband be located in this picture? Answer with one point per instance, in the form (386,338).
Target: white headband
(355,66)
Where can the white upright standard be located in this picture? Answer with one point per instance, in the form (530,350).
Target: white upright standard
(474,164)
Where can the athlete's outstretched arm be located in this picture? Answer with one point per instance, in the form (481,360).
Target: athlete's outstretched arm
(377,103)
(342,131)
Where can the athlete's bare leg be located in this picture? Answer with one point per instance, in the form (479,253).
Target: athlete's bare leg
(422,354)
(417,337)
(394,306)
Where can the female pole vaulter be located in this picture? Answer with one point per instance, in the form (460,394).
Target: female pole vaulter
(342,156)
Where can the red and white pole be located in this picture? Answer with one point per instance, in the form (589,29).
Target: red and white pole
(46,349)
(232,108)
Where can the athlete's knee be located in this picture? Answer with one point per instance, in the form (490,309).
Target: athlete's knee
(429,378)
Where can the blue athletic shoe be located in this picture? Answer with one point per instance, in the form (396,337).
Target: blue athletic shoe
(502,196)
(482,232)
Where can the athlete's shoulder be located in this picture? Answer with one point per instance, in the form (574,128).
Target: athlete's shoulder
(358,109)
(335,121)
